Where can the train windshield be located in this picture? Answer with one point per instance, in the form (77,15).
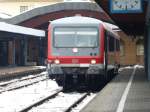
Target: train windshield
(76,37)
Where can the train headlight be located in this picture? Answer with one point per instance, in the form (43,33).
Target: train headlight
(56,61)
(93,61)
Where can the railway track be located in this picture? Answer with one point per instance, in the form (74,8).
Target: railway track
(22,82)
(5,83)
(59,101)
(76,102)
(41,101)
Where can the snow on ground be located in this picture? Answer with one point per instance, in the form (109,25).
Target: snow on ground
(130,67)
(16,100)
(127,67)
(41,67)
(22,78)
(139,66)
(58,104)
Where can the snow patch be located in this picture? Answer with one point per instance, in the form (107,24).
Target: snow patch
(40,67)
(138,66)
(123,68)
(16,100)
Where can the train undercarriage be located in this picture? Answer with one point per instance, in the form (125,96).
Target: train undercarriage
(80,78)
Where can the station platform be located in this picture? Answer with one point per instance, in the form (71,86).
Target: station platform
(10,72)
(127,92)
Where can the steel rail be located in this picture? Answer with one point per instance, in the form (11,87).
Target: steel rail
(77,102)
(10,82)
(25,85)
(10,76)
(41,101)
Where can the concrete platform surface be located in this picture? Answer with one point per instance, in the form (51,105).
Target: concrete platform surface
(127,92)
(14,71)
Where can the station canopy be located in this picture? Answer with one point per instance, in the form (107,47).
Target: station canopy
(7,29)
(132,23)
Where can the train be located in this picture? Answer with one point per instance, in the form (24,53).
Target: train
(82,51)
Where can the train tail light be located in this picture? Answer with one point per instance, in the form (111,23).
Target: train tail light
(57,61)
(93,61)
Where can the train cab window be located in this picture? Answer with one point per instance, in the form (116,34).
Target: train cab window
(111,44)
(76,37)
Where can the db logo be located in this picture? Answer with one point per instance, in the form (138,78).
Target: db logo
(75,61)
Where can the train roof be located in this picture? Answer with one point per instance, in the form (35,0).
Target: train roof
(84,20)
(76,20)
(112,29)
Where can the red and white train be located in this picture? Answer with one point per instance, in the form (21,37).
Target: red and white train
(81,50)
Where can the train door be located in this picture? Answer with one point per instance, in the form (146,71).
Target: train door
(111,51)
(3,53)
(106,50)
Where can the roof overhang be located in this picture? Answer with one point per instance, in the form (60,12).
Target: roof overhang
(58,7)
(131,23)
(20,30)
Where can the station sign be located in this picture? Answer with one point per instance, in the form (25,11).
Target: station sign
(125,6)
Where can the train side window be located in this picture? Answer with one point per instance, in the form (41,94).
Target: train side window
(117,45)
(111,44)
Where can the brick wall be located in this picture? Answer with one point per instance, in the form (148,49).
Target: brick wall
(129,56)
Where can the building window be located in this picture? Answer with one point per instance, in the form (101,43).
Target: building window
(23,9)
(140,47)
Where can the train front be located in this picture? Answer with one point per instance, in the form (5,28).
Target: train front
(75,50)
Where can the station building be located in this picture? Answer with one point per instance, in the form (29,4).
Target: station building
(38,13)
(131,49)
(16,7)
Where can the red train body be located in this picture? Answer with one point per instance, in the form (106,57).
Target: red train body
(81,50)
